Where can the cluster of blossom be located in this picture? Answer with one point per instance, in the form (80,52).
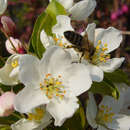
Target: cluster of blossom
(53,84)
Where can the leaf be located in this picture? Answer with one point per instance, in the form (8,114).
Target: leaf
(106,87)
(118,76)
(45,21)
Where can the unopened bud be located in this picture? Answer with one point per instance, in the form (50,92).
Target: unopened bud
(16,47)
(6,103)
(8,25)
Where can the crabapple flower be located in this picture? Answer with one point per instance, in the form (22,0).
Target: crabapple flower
(38,119)
(9,72)
(54,81)
(80,10)
(3,6)
(103,42)
(108,114)
(6,104)
(16,45)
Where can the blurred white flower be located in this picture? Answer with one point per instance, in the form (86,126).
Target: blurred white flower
(103,41)
(6,103)
(3,6)
(53,81)
(9,72)
(37,119)
(108,115)
(16,45)
(80,10)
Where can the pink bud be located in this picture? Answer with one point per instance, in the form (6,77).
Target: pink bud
(8,25)
(17,44)
(125,8)
(6,103)
(114,16)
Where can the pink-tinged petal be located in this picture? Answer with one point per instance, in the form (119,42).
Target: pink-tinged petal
(16,43)
(61,110)
(7,103)
(112,64)
(82,9)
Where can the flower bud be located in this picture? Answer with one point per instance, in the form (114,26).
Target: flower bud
(3,6)
(8,25)
(6,103)
(16,47)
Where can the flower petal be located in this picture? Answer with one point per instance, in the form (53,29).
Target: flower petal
(66,3)
(29,72)
(77,78)
(95,72)
(91,32)
(46,40)
(3,6)
(61,110)
(101,128)
(112,64)
(111,36)
(55,60)
(63,24)
(120,122)
(29,98)
(5,71)
(82,9)
(91,111)
(112,103)
(24,124)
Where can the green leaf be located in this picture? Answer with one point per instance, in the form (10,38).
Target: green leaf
(118,76)
(45,21)
(106,87)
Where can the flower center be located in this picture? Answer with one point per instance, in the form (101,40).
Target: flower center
(53,87)
(14,63)
(37,115)
(99,55)
(59,41)
(104,115)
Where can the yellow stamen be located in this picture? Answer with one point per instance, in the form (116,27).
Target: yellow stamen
(99,42)
(14,63)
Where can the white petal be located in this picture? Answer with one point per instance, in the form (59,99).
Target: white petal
(95,72)
(77,79)
(3,6)
(29,98)
(63,24)
(5,71)
(91,111)
(14,72)
(91,32)
(24,124)
(61,110)
(29,70)
(55,60)
(120,122)
(112,64)
(111,36)
(66,3)
(46,40)
(98,31)
(82,9)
